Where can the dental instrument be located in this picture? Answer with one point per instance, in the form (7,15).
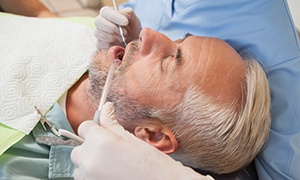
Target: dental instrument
(105,90)
(120,28)
(60,132)
(44,121)
(70,135)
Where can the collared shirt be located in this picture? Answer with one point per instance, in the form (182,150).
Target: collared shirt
(41,154)
(263,28)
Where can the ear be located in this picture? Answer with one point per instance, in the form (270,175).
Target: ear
(159,137)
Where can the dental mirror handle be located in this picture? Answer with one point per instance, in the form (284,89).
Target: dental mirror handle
(105,90)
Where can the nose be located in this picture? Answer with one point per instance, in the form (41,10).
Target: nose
(153,42)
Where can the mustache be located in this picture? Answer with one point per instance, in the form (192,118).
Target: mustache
(98,71)
(128,59)
(134,46)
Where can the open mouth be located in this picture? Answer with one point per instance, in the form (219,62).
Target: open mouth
(117,52)
(120,54)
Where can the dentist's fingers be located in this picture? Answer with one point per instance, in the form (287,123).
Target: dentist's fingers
(86,128)
(114,16)
(107,27)
(106,37)
(104,25)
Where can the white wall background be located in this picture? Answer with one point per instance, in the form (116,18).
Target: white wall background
(295,10)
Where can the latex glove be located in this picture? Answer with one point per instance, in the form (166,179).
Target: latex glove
(109,152)
(107,27)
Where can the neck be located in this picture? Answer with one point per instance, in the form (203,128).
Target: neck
(79,104)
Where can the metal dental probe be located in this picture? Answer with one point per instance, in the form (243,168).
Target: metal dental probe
(109,76)
(120,28)
(105,90)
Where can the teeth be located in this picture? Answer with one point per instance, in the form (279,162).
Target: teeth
(120,55)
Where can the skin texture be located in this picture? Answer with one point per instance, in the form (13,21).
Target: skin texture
(156,71)
(207,63)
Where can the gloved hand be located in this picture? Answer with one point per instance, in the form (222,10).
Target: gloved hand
(107,27)
(109,152)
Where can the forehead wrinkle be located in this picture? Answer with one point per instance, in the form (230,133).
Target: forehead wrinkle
(226,78)
(205,63)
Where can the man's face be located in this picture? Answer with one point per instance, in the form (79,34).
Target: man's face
(156,72)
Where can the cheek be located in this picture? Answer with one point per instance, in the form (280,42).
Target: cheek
(143,75)
(100,59)
(146,83)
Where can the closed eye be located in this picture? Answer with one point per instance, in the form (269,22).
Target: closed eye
(178,57)
(162,63)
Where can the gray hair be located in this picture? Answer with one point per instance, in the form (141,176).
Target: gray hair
(219,138)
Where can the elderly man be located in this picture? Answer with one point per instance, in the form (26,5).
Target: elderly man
(246,25)
(158,91)
(195,99)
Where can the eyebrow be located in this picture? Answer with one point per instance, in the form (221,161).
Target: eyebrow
(187,35)
(179,52)
(178,57)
